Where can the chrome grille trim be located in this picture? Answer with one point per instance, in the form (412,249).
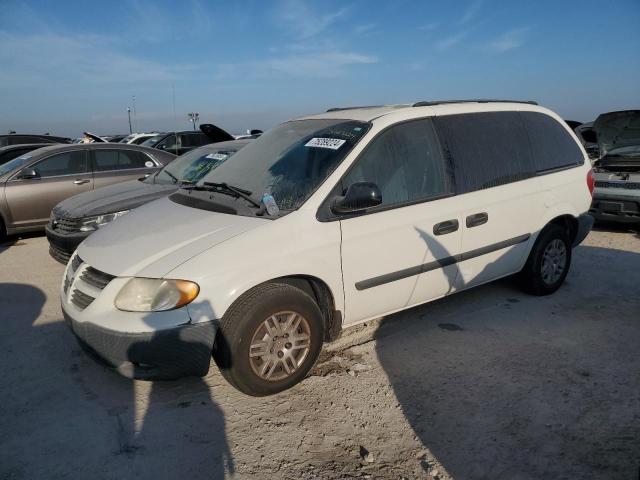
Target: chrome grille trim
(622,185)
(96,278)
(66,225)
(81,299)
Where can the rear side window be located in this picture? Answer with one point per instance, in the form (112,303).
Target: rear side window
(68,163)
(405,162)
(487,149)
(551,144)
(107,160)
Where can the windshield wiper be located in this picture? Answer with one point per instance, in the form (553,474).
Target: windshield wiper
(226,189)
(173,177)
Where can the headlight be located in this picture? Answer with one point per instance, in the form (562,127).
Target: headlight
(93,223)
(155,295)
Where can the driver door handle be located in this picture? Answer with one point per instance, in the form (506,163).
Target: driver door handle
(448,226)
(81,181)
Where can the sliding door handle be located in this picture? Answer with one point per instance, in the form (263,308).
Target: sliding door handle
(448,226)
(81,181)
(477,219)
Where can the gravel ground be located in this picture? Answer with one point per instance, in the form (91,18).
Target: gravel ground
(486,384)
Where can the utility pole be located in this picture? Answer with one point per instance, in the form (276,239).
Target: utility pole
(135,116)
(193,118)
(129,115)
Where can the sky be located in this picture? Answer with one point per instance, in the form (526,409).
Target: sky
(72,66)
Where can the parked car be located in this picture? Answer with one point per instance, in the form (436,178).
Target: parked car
(617,170)
(587,136)
(138,138)
(19,138)
(12,151)
(75,218)
(32,184)
(182,142)
(325,222)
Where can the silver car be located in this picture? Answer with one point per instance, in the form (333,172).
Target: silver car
(32,184)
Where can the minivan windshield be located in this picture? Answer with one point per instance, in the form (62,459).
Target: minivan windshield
(192,166)
(288,162)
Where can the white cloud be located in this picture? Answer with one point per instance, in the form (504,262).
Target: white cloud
(74,61)
(427,27)
(305,22)
(472,9)
(364,28)
(451,41)
(509,40)
(315,64)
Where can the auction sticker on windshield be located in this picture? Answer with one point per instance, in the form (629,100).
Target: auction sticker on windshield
(217,156)
(330,143)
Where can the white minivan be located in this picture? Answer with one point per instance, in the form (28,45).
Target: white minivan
(325,222)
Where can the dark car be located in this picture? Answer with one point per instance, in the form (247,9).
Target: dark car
(20,138)
(77,217)
(33,183)
(12,151)
(181,142)
(616,196)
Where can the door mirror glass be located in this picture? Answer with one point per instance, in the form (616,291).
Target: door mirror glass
(27,173)
(359,196)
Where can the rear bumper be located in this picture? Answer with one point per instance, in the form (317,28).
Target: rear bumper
(615,208)
(585,223)
(61,247)
(170,353)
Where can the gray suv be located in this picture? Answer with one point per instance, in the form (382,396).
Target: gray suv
(32,184)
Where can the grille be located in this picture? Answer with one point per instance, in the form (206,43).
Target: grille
(66,225)
(84,278)
(81,299)
(96,278)
(622,185)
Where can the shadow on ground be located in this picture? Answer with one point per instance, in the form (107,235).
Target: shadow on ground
(83,420)
(499,385)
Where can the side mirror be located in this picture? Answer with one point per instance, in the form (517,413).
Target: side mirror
(27,173)
(359,196)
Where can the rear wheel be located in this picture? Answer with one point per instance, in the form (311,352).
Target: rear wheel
(269,339)
(548,263)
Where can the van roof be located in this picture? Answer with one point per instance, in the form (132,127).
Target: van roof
(369,113)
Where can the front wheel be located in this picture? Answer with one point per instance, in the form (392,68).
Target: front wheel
(548,263)
(269,339)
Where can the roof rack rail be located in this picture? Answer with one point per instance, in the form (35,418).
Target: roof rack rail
(339,109)
(472,100)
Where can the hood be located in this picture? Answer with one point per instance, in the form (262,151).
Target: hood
(157,237)
(215,134)
(617,129)
(113,198)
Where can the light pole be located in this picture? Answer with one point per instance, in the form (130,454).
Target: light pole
(193,118)
(129,115)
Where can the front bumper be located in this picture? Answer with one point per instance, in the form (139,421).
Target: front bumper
(169,353)
(615,208)
(61,247)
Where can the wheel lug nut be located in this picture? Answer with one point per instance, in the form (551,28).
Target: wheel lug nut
(280,354)
(287,345)
(286,335)
(271,350)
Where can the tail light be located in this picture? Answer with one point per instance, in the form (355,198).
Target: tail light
(590,182)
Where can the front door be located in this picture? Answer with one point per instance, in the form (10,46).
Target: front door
(402,252)
(59,176)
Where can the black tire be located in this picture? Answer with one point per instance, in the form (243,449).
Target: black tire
(243,319)
(531,277)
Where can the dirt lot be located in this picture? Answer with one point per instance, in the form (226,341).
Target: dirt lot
(487,384)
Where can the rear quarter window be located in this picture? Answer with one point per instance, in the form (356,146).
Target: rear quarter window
(551,145)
